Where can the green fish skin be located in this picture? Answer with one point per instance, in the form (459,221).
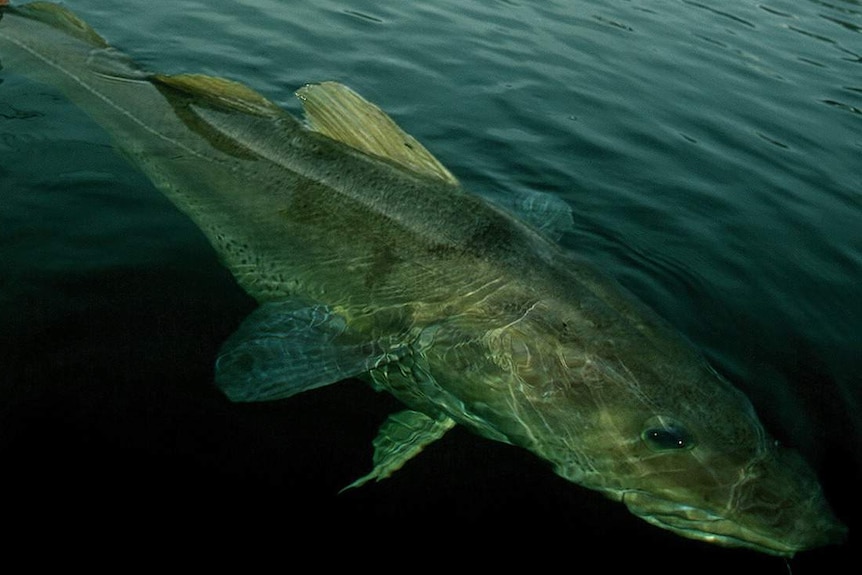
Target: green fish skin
(369,260)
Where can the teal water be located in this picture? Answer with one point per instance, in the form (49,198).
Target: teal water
(710,153)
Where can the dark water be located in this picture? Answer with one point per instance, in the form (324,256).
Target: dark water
(711,154)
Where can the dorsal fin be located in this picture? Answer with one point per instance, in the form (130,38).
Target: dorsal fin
(336,111)
(62,19)
(222,93)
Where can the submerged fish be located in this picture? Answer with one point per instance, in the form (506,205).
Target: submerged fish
(369,260)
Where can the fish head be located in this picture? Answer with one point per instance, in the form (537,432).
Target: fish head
(684,450)
(772,504)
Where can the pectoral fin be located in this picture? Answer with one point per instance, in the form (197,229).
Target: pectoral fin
(402,436)
(284,348)
(545,211)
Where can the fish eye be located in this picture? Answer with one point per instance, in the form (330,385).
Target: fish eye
(662,433)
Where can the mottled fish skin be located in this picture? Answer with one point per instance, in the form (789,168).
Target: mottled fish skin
(370,260)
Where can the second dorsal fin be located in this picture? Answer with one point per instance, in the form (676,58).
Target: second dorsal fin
(338,112)
(221,92)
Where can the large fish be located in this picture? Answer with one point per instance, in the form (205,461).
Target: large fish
(369,260)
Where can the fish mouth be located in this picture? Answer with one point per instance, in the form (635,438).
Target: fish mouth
(704,525)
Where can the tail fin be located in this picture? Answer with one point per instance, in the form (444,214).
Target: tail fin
(59,17)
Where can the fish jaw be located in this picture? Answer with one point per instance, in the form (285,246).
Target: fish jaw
(703,525)
(776,508)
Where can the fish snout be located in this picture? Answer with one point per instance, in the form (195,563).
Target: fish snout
(776,507)
(780,495)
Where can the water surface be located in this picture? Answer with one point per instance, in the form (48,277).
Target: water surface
(710,152)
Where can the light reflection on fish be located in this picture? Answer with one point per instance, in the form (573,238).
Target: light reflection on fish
(369,260)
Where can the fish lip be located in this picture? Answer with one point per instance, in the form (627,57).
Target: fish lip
(693,523)
(668,522)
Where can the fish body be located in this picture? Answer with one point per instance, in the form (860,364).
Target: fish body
(369,260)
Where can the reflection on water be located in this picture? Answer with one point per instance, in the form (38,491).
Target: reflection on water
(709,151)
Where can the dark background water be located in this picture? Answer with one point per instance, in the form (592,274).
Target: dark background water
(710,153)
